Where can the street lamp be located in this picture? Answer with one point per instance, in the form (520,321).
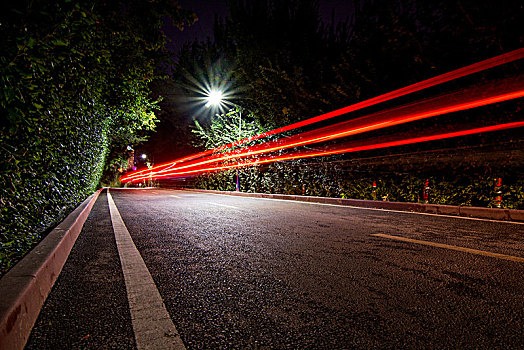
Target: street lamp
(215,98)
(147,162)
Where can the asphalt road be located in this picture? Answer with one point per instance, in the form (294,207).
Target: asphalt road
(237,272)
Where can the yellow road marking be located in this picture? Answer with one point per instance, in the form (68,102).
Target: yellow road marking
(453,247)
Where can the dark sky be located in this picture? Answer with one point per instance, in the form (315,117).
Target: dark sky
(161,146)
(206,10)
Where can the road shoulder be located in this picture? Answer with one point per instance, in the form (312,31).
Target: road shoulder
(435,209)
(26,286)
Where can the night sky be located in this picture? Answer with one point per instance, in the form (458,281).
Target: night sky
(161,145)
(165,146)
(207,10)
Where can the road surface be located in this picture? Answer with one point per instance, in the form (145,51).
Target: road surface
(239,272)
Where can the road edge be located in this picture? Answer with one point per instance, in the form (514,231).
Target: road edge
(438,209)
(25,287)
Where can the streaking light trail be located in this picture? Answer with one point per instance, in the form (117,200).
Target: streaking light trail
(335,150)
(471,98)
(443,78)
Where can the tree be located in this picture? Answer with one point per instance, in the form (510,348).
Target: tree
(286,60)
(75,88)
(288,66)
(227,128)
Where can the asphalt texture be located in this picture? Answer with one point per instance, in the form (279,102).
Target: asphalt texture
(247,273)
(87,307)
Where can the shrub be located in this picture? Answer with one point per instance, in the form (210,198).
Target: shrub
(74,79)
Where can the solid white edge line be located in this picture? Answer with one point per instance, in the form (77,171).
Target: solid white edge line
(152,325)
(375,209)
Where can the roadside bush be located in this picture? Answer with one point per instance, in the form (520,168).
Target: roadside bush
(461,186)
(75,88)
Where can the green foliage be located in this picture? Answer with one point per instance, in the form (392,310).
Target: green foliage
(288,70)
(457,187)
(74,79)
(226,128)
(287,63)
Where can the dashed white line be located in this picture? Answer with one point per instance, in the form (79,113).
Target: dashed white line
(453,247)
(223,205)
(152,325)
(172,195)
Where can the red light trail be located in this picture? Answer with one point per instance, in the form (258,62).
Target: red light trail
(339,149)
(443,78)
(471,98)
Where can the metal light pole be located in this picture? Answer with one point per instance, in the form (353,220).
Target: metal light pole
(215,98)
(239,137)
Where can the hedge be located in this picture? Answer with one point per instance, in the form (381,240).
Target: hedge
(462,184)
(75,89)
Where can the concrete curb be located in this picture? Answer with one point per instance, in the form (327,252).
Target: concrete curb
(473,212)
(25,287)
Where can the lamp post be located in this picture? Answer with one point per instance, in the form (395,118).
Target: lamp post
(215,98)
(239,137)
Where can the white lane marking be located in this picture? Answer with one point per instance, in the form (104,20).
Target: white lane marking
(375,209)
(453,247)
(172,195)
(134,188)
(223,205)
(152,325)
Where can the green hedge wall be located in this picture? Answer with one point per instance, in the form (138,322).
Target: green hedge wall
(74,78)
(459,186)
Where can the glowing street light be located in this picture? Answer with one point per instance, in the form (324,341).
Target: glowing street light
(144,156)
(216,98)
